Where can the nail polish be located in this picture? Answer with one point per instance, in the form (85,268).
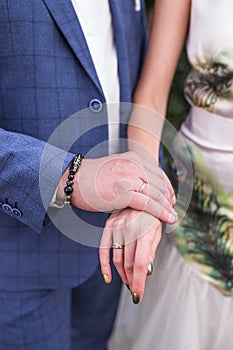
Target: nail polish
(106,279)
(136,298)
(150,269)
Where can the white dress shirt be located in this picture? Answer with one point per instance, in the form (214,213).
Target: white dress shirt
(96,22)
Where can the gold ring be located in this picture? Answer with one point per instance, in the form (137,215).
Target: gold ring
(142,187)
(117,246)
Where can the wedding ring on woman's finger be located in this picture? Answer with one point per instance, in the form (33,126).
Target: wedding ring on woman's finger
(117,245)
(142,187)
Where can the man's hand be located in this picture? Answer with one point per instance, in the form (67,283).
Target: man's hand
(139,234)
(114,182)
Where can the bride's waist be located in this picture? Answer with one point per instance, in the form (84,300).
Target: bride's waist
(209,130)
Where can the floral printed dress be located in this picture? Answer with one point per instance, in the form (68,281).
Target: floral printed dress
(188,303)
(205,236)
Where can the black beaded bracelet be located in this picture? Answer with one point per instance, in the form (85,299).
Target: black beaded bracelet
(74,166)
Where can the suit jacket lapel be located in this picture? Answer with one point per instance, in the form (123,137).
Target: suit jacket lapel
(65,17)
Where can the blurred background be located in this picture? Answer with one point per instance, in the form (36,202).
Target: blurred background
(177,107)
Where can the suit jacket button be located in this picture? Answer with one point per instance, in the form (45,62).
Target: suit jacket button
(7,207)
(17,212)
(95,105)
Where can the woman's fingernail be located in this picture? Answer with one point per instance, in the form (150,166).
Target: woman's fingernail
(150,269)
(136,298)
(106,279)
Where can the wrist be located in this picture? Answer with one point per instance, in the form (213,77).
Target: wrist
(73,169)
(151,101)
(63,182)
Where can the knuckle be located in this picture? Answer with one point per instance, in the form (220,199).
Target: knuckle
(128,266)
(120,223)
(109,222)
(158,196)
(162,185)
(104,260)
(167,194)
(163,214)
(150,204)
(102,252)
(161,173)
(117,261)
(140,266)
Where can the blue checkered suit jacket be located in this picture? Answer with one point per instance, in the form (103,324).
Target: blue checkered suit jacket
(47,74)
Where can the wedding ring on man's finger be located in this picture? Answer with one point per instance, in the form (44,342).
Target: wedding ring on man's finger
(117,245)
(142,187)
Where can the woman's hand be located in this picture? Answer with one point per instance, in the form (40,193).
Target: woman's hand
(139,234)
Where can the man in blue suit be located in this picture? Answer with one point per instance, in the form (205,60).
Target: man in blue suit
(50,69)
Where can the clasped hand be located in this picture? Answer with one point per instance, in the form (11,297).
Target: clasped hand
(140,196)
(113,182)
(139,234)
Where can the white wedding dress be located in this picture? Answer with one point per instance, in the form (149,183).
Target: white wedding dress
(188,302)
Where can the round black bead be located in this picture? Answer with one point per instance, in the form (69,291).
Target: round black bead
(68,190)
(73,169)
(69,183)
